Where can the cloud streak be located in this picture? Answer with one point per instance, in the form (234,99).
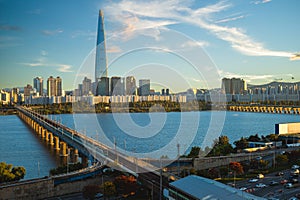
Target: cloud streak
(10,28)
(52,32)
(139,16)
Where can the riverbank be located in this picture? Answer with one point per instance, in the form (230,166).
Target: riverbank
(136,107)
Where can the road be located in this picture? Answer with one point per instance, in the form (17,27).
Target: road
(277,191)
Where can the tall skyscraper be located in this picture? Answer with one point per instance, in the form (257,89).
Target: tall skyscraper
(144,87)
(101,62)
(38,84)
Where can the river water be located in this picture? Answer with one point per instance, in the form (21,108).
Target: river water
(136,134)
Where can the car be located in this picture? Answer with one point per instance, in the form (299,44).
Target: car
(279,174)
(294,180)
(260,185)
(274,183)
(284,181)
(243,188)
(293,198)
(253,180)
(258,158)
(260,176)
(295,167)
(288,185)
(295,172)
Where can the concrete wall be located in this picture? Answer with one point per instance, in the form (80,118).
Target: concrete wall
(44,188)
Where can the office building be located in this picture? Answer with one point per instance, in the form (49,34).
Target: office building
(130,85)
(38,84)
(102,86)
(144,87)
(101,62)
(117,86)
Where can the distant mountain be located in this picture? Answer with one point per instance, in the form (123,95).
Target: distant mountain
(274,84)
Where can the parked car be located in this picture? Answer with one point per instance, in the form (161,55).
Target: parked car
(260,185)
(260,176)
(288,185)
(279,174)
(243,188)
(295,167)
(284,181)
(253,180)
(274,183)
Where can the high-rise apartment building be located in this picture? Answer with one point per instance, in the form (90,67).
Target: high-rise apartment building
(58,83)
(144,87)
(130,85)
(101,62)
(28,90)
(86,86)
(38,84)
(54,86)
(234,86)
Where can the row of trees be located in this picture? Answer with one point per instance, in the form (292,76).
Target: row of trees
(9,173)
(222,146)
(144,106)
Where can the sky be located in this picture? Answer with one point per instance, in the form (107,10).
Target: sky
(177,44)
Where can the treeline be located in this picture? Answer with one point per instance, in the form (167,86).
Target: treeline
(64,169)
(9,173)
(132,107)
(223,147)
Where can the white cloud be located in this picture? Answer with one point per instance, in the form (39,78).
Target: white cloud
(113,49)
(64,68)
(140,17)
(230,19)
(262,1)
(195,44)
(52,32)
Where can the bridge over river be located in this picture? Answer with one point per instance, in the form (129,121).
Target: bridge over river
(71,143)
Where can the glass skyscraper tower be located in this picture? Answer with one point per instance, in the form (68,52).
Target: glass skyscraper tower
(101,62)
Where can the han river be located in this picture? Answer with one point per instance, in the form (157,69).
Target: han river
(134,133)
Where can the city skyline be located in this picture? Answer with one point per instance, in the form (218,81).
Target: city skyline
(241,38)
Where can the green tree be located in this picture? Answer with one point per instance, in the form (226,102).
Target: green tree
(241,144)
(108,188)
(9,173)
(282,160)
(194,153)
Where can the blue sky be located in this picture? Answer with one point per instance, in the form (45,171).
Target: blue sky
(197,40)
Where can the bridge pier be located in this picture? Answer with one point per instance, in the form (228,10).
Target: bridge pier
(56,142)
(74,155)
(50,140)
(84,160)
(63,149)
(43,133)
